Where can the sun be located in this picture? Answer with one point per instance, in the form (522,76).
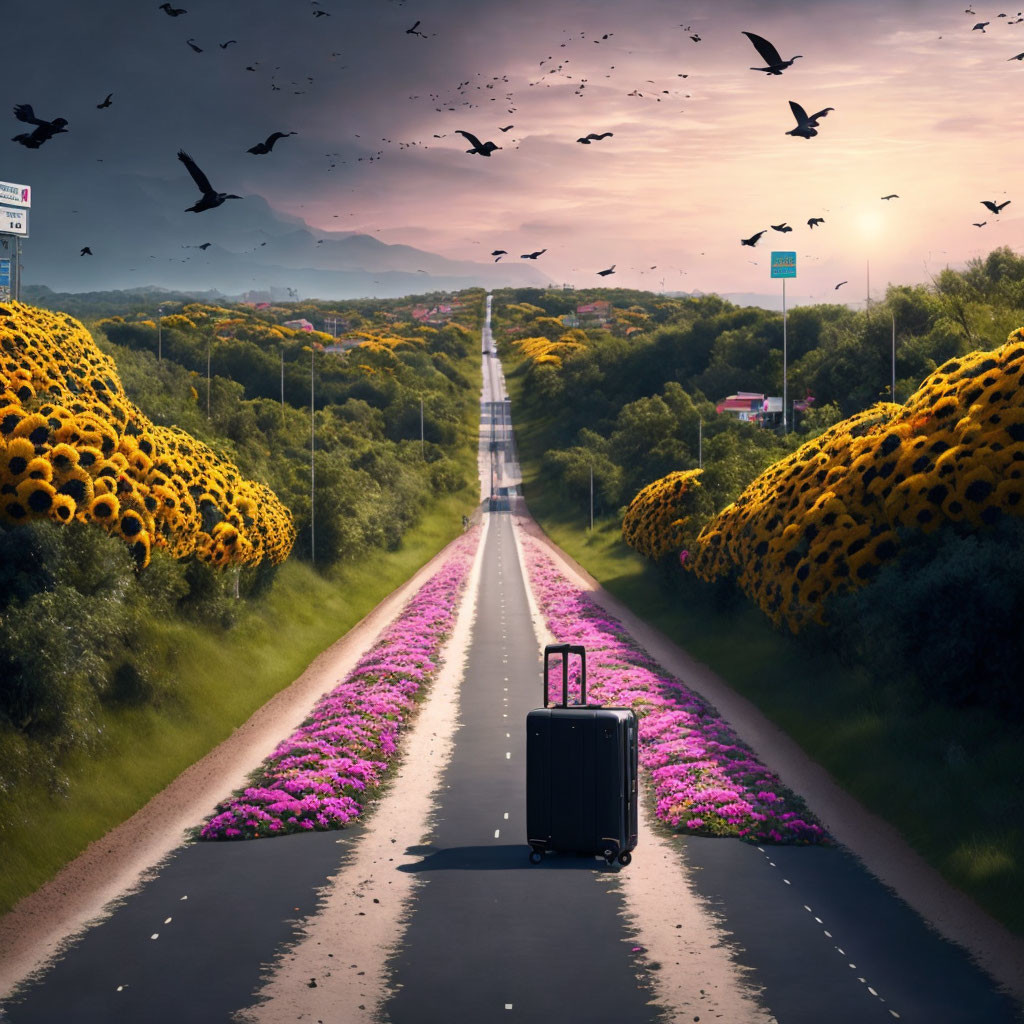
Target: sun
(870,225)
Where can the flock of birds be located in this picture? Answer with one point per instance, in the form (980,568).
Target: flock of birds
(807,125)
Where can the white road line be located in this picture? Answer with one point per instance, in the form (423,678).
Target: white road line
(508,755)
(497,833)
(506,815)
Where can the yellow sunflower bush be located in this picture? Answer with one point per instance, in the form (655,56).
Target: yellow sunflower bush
(656,520)
(73,446)
(822,520)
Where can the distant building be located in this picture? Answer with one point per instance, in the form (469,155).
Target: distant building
(599,312)
(298,325)
(752,407)
(570,320)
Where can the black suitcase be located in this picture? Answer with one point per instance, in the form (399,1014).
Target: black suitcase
(581,772)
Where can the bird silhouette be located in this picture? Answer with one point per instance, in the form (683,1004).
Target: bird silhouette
(321,14)
(265,147)
(198,49)
(1020,56)
(992,206)
(771,57)
(173,12)
(209,198)
(105,103)
(507,128)
(533,255)
(605,273)
(752,240)
(815,221)
(979,225)
(783,227)
(86,251)
(892,195)
(840,285)
(483,148)
(806,127)
(44,131)
(224,46)
(695,37)
(412,31)
(204,246)
(981,25)
(594,137)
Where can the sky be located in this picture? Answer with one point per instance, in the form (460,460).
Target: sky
(925,106)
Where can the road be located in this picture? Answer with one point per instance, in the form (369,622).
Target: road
(809,934)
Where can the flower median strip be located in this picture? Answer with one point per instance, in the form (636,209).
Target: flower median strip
(315,779)
(706,781)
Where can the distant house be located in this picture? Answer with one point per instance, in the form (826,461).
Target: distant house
(599,312)
(298,325)
(752,407)
(570,320)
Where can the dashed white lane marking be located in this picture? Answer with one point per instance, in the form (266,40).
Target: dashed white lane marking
(167,920)
(508,755)
(508,1006)
(155,935)
(497,833)
(506,815)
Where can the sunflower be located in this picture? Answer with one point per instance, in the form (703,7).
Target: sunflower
(63,508)
(36,495)
(104,509)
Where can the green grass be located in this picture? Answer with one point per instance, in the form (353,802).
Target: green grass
(223,679)
(949,780)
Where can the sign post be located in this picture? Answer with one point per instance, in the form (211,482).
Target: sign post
(783,265)
(14,203)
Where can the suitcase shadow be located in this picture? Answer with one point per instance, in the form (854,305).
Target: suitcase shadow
(499,858)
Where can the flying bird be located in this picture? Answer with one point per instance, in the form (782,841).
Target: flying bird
(86,251)
(483,148)
(892,195)
(992,206)
(806,127)
(814,221)
(44,131)
(771,57)
(1020,56)
(783,227)
(105,103)
(981,25)
(198,49)
(412,31)
(605,273)
(265,147)
(173,12)
(498,253)
(979,225)
(224,46)
(209,198)
(321,14)
(507,128)
(695,37)
(204,246)
(840,285)
(533,255)
(752,240)
(594,137)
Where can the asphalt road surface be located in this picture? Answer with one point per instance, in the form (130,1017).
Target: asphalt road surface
(490,937)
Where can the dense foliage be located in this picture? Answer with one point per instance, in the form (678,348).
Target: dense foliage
(86,613)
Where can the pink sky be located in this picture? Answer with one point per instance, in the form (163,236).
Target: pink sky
(924,107)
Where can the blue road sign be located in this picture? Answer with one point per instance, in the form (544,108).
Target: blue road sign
(5,272)
(783,264)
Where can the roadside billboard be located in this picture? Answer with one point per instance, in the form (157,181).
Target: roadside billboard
(13,221)
(15,195)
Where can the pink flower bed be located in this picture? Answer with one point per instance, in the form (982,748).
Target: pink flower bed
(316,778)
(706,781)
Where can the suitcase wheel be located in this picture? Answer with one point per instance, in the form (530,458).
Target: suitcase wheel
(609,856)
(536,856)
(625,857)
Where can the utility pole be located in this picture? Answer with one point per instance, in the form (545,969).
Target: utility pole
(892,395)
(591,497)
(312,466)
(785,426)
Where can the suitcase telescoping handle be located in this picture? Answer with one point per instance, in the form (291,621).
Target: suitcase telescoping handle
(565,650)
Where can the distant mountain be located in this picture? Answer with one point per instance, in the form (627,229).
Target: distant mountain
(151,241)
